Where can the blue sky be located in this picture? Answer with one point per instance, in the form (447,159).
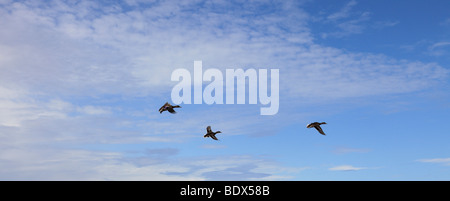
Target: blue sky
(81,84)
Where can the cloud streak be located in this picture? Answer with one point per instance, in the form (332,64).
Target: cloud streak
(344,12)
(444,161)
(346,168)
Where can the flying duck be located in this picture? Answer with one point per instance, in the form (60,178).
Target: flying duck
(211,134)
(317,126)
(168,107)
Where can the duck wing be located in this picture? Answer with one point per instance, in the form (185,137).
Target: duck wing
(162,109)
(208,129)
(213,137)
(312,124)
(319,129)
(171,110)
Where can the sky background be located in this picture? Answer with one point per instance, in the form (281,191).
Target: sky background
(81,83)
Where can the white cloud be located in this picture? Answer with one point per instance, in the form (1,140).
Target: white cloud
(439,44)
(445,161)
(438,49)
(213,146)
(346,150)
(331,73)
(17,106)
(384,24)
(135,51)
(346,21)
(238,167)
(93,110)
(344,12)
(346,168)
(446,22)
(48,163)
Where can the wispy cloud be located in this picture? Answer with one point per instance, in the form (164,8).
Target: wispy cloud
(331,73)
(444,161)
(349,21)
(213,146)
(438,49)
(93,110)
(440,44)
(346,150)
(384,24)
(446,22)
(428,48)
(346,21)
(51,163)
(142,62)
(344,12)
(346,168)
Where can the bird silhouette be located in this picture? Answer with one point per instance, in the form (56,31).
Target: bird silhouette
(210,133)
(317,126)
(168,107)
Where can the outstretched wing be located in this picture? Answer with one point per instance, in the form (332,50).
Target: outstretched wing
(213,137)
(171,110)
(319,129)
(162,109)
(208,129)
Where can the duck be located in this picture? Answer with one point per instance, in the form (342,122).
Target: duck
(210,133)
(168,107)
(317,126)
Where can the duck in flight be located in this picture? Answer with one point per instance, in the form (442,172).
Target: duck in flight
(168,107)
(317,126)
(210,133)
